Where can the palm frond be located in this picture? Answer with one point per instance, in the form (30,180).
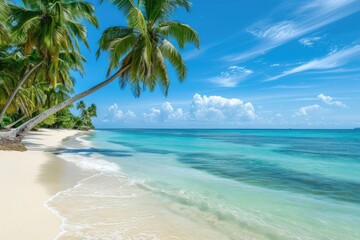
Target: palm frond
(169,51)
(182,33)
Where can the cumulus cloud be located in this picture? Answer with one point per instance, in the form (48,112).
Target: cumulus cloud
(166,113)
(232,76)
(306,110)
(114,113)
(217,108)
(202,109)
(330,101)
(169,113)
(309,41)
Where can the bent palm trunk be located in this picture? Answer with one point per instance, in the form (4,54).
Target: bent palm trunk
(22,130)
(14,123)
(26,76)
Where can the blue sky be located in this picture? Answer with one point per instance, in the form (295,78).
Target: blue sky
(261,64)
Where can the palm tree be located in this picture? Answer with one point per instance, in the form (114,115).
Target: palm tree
(91,112)
(87,113)
(81,106)
(137,52)
(50,26)
(4,36)
(14,64)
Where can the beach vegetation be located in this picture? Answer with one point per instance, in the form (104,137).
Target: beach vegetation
(139,53)
(51,28)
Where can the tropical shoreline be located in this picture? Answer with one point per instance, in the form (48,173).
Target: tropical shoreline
(27,180)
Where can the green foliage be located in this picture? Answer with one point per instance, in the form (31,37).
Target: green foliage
(65,119)
(141,49)
(52,25)
(44,48)
(49,121)
(4,12)
(6,120)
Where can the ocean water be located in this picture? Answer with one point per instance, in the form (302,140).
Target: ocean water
(213,184)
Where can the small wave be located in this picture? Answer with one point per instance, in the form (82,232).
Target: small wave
(89,161)
(93,162)
(64,221)
(83,141)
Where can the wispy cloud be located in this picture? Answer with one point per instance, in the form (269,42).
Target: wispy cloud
(231,77)
(309,41)
(306,110)
(308,16)
(330,101)
(332,60)
(275,65)
(291,87)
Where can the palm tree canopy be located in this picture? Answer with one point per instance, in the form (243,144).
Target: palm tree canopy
(36,92)
(4,11)
(51,25)
(141,49)
(81,105)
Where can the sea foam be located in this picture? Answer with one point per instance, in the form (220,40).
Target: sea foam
(89,161)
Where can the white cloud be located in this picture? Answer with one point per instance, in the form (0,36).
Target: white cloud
(309,16)
(215,109)
(232,76)
(169,113)
(330,101)
(152,116)
(166,113)
(309,41)
(332,60)
(277,32)
(275,65)
(291,87)
(114,113)
(220,109)
(304,111)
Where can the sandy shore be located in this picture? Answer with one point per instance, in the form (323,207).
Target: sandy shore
(27,180)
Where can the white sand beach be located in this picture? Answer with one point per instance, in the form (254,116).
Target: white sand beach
(27,180)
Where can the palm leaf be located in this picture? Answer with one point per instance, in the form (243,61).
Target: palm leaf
(169,51)
(182,33)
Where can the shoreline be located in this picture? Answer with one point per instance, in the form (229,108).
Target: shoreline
(27,180)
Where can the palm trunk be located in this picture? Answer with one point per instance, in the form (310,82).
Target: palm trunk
(22,130)
(26,76)
(13,124)
(19,120)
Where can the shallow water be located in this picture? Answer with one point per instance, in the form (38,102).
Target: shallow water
(213,184)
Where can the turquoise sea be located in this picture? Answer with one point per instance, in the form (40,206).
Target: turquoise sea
(213,184)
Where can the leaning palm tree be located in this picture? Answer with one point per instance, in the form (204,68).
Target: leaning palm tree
(13,65)
(50,26)
(138,52)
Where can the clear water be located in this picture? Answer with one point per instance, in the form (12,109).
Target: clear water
(222,184)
